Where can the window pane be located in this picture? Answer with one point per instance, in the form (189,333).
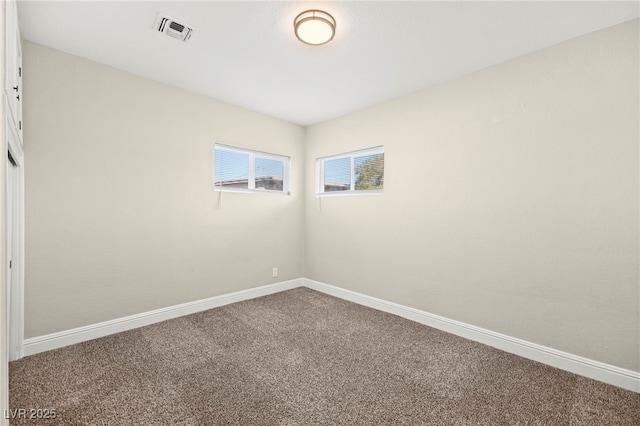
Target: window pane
(231,169)
(269,174)
(369,172)
(337,174)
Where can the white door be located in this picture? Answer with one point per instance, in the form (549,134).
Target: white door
(10,166)
(13,290)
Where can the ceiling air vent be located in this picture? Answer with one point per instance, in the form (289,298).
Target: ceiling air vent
(172,28)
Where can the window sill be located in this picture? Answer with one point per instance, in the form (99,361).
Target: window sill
(253,191)
(347,193)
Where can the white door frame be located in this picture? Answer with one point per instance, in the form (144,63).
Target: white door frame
(15,275)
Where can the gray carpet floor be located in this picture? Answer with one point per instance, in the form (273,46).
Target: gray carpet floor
(304,358)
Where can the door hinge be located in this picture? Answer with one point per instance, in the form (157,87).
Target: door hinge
(19,71)
(10,263)
(20,125)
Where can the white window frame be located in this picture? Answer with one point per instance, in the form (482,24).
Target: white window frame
(352,155)
(286,170)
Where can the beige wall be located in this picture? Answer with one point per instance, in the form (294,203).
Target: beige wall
(121,215)
(511,199)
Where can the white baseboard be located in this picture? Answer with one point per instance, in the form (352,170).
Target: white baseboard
(606,373)
(82,334)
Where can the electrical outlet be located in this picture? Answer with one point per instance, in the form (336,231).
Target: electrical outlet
(274,272)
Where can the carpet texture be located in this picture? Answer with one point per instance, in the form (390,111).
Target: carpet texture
(304,358)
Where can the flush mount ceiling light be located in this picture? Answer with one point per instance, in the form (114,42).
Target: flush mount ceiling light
(314,27)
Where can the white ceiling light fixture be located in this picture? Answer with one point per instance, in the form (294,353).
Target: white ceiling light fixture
(314,27)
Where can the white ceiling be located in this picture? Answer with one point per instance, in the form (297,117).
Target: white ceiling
(245,53)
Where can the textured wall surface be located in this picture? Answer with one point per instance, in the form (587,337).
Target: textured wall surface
(511,199)
(121,213)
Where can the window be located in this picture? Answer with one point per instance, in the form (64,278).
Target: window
(239,169)
(353,172)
